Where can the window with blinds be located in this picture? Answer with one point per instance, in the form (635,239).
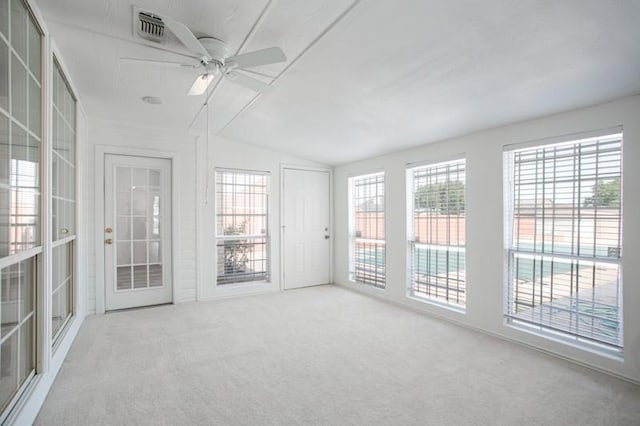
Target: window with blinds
(437,232)
(242,234)
(367,229)
(563,238)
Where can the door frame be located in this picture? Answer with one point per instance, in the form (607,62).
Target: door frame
(99,190)
(283,167)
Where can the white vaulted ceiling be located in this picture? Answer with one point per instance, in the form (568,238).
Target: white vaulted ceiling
(363,77)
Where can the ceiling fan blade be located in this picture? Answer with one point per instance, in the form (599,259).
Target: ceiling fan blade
(270,55)
(184,34)
(162,63)
(200,85)
(248,82)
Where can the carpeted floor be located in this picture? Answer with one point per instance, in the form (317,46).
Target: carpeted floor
(319,356)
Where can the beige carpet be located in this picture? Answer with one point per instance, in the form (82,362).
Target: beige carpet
(319,356)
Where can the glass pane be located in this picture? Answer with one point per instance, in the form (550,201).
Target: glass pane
(123,203)
(139,177)
(24,222)
(4,151)
(154,179)
(4,76)
(54,85)
(33,153)
(155,275)
(9,298)
(68,173)
(140,276)
(27,282)
(27,356)
(64,302)
(155,255)
(154,212)
(124,253)
(70,215)
(139,202)
(25,198)
(4,222)
(55,219)
(123,228)
(19,28)
(34,50)
(139,252)
(9,368)
(139,228)
(4,18)
(123,179)
(124,278)
(55,142)
(56,322)
(65,271)
(34,107)
(18,91)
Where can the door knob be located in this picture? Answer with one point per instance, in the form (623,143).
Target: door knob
(108,230)
(326,237)
(108,241)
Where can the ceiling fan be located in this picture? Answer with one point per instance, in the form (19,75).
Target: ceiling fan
(211,55)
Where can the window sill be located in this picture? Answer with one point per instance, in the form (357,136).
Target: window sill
(453,308)
(559,337)
(368,285)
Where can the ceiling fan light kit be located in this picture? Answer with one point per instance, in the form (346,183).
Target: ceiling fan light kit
(200,85)
(211,54)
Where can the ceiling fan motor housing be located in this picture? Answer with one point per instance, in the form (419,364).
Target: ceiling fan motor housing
(216,48)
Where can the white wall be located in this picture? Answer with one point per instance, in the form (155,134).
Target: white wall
(193,243)
(484,210)
(235,155)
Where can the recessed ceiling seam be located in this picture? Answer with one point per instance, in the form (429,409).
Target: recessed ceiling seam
(297,58)
(250,34)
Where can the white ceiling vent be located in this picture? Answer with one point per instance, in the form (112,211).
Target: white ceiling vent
(148,26)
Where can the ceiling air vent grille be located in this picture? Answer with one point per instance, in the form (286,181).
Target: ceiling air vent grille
(150,27)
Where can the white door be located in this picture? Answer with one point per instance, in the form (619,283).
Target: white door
(137,232)
(306,236)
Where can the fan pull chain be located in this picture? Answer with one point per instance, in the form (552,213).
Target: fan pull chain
(206,188)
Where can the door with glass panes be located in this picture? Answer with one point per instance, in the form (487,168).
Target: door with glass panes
(137,231)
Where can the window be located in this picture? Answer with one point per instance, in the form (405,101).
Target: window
(63,200)
(242,226)
(367,230)
(437,232)
(20,185)
(563,238)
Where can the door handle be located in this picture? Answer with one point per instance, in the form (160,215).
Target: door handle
(108,241)
(326,237)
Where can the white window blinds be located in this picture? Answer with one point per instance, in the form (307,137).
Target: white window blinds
(437,232)
(367,229)
(563,239)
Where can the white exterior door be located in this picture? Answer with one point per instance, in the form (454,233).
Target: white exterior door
(137,231)
(306,228)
